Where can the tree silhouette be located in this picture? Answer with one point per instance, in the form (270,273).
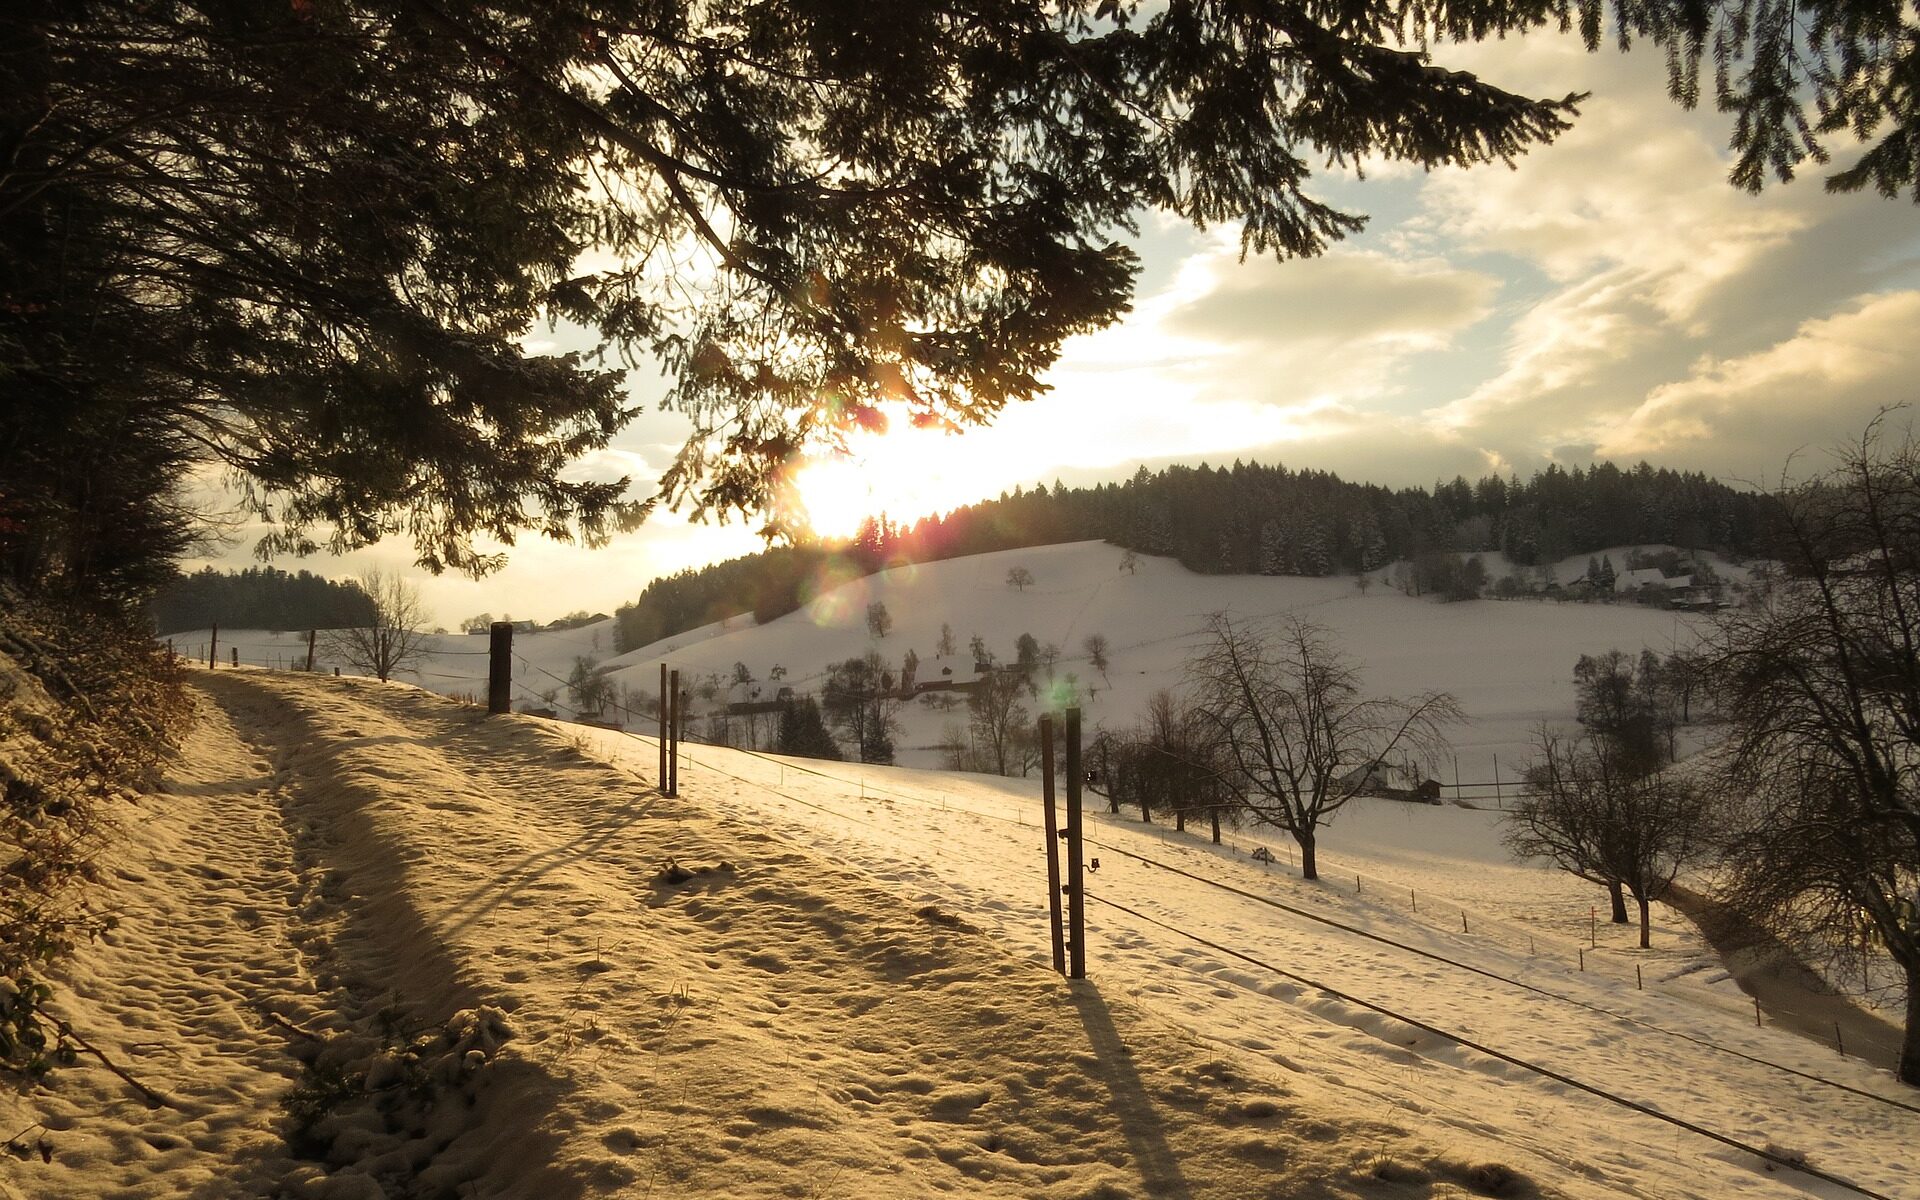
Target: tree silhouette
(1298,736)
(1820,688)
(392,637)
(307,240)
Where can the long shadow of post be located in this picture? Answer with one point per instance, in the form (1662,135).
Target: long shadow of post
(1132,1107)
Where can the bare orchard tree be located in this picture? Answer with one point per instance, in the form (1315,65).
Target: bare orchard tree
(1097,648)
(1591,809)
(996,716)
(394,638)
(588,689)
(1295,732)
(1820,687)
(1170,763)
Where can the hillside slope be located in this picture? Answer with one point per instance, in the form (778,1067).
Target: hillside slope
(1509,663)
(516,971)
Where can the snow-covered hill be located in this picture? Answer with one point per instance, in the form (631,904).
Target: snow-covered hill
(1509,663)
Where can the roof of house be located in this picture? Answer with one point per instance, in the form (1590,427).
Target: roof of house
(1633,581)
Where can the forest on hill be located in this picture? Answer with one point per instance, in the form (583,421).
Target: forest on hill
(259,598)
(1243,519)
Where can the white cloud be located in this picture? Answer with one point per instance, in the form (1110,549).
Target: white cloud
(1824,382)
(1643,258)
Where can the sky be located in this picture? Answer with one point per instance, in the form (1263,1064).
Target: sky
(1610,296)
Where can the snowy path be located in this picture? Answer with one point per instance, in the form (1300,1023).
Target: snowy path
(973,845)
(205,891)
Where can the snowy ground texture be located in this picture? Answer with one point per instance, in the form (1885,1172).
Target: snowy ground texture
(801,979)
(522,972)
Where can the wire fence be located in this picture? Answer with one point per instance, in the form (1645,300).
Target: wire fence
(1436,914)
(869,788)
(1607,951)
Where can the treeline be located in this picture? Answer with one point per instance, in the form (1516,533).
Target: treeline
(259,598)
(1243,519)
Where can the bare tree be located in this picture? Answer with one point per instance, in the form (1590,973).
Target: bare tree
(1592,810)
(393,639)
(1172,763)
(995,714)
(1019,579)
(1820,686)
(879,620)
(859,699)
(1296,734)
(588,689)
(1097,648)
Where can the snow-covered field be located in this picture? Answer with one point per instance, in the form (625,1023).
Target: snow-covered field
(521,973)
(1246,968)
(806,978)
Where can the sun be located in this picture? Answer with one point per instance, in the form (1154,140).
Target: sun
(906,473)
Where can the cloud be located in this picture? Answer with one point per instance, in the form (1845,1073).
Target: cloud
(1748,412)
(1630,259)
(1346,297)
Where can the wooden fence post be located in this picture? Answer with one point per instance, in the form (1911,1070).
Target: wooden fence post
(500,667)
(674,718)
(235,651)
(665,703)
(1076,881)
(310,637)
(213,647)
(1053,844)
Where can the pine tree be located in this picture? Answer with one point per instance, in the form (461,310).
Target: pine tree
(1314,551)
(1370,545)
(802,731)
(1276,549)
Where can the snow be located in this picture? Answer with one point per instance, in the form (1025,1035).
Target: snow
(591,989)
(1420,912)
(972,844)
(1509,663)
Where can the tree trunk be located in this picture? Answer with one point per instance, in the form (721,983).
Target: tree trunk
(1307,868)
(1146,810)
(1619,897)
(1214,813)
(1910,1045)
(1179,820)
(1646,937)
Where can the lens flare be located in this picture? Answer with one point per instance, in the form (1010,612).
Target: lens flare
(836,595)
